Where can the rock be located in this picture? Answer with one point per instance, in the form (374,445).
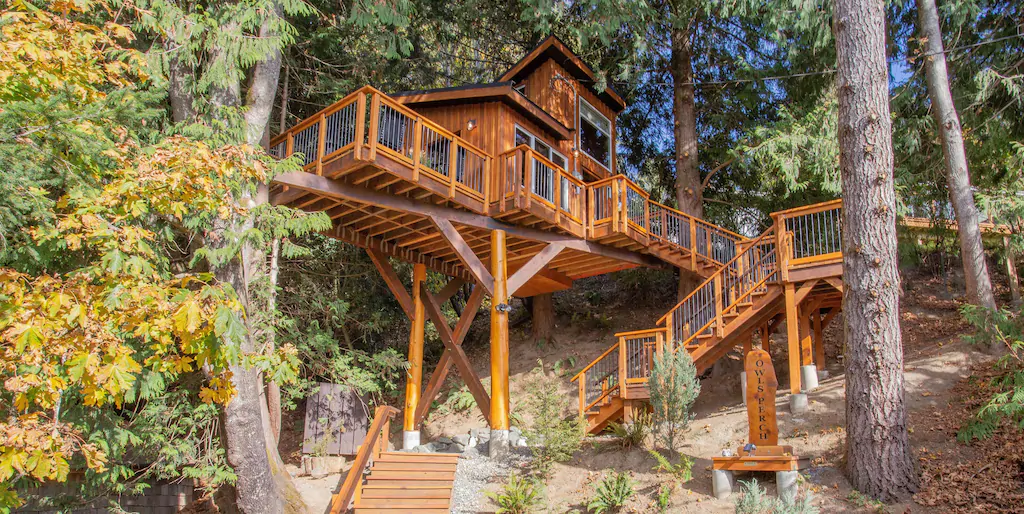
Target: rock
(522,442)
(425,448)
(456,448)
(482,435)
(443,440)
(462,439)
(513,439)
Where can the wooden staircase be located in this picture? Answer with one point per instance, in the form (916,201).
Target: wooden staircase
(400,483)
(746,294)
(387,482)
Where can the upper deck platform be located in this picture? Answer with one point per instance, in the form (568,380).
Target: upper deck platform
(395,181)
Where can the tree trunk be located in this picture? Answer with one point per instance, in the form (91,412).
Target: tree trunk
(689,193)
(979,285)
(543,317)
(274,390)
(878,455)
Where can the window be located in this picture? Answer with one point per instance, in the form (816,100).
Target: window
(595,134)
(543,177)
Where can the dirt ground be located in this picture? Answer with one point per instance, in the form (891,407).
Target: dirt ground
(939,367)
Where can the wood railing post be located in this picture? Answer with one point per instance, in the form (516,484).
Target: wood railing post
(583,393)
(615,204)
(453,167)
(289,147)
(718,305)
(591,212)
(556,187)
(417,145)
(693,243)
(782,254)
(622,366)
(528,165)
(488,164)
(374,126)
(321,144)
(357,150)
(669,332)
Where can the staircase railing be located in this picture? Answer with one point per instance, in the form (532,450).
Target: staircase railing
(704,309)
(376,442)
(599,379)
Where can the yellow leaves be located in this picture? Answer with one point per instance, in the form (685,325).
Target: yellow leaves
(219,391)
(188,317)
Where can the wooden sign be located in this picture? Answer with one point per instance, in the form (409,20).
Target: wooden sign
(761,387)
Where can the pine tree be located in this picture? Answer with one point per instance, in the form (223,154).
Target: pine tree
(878,453)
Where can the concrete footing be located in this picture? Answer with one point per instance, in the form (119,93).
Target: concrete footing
(410,439)
(743,387)
(498,444)
(809,377)
(785,483)
(798,403)
(722,482)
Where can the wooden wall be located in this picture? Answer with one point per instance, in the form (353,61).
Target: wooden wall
(556,97)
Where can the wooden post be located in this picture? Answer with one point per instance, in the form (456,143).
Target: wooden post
(819,341)
(623,366)
(719,321)
(793,337)
(488,165)
(693,242)
(1011,269)
(453,167)
(414,376)
(499,337)
(527,179)
(766,338)
(583,393)
(417,144)
(615,204)
(806,344)
(374,126)
(357,150)
(321,144)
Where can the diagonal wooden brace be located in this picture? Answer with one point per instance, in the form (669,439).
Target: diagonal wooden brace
(380,261)
(457,354)
(465,253)
(444,365)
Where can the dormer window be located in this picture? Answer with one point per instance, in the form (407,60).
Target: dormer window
(595,134)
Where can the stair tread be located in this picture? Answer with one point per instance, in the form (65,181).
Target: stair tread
(401,492)
(398,510)
(401,485)
(386,503)
(413,466)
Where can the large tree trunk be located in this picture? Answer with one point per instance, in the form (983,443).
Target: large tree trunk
(689,190)
(878,455)
(543,310)
(979,286)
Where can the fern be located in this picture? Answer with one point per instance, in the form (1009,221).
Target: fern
(681,473)
(612,493)
(754,499)
(633,434)
(518,495)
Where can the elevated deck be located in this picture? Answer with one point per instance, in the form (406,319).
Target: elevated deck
(394,181)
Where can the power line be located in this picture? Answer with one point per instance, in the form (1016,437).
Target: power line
(821,72)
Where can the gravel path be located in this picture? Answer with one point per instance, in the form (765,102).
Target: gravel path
(476,470)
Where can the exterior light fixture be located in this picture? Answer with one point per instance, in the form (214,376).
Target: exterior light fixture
(471,125)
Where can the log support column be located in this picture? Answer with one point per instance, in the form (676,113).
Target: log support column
(797,398)
(808,371)
(498,444)
(414,376)
(1011,269)
(819,344)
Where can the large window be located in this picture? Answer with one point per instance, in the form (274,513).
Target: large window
(595,134)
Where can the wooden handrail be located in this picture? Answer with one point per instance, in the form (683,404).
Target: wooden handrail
(326,111)
(721,270)
(595,361)
(809,209)
(375,443)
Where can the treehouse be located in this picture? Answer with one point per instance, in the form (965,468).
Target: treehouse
(513,187)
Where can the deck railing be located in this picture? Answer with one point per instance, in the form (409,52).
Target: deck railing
(391,129)
(526,176)
(376,442)
(598,380)
(812,233)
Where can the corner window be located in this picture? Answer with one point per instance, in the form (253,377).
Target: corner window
(595,134)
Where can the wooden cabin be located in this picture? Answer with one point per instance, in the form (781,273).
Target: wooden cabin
(513,187)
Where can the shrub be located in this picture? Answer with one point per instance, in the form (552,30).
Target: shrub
(674,387)
(612,493)
(518,495)
(753,499)
(552,437)
(1004,330)
(632,434)
(664,499)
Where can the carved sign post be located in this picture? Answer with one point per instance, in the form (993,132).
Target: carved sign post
(761,387)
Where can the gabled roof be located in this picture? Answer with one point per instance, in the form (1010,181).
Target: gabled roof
(553,48)
(497,91)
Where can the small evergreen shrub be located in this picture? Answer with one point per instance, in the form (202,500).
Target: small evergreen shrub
(553,438)
(631,435)
(518,495)
(612,493)
(1003,330)
(754,499)
(674,387)
(664,499)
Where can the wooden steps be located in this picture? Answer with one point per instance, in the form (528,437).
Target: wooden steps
(400,483)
